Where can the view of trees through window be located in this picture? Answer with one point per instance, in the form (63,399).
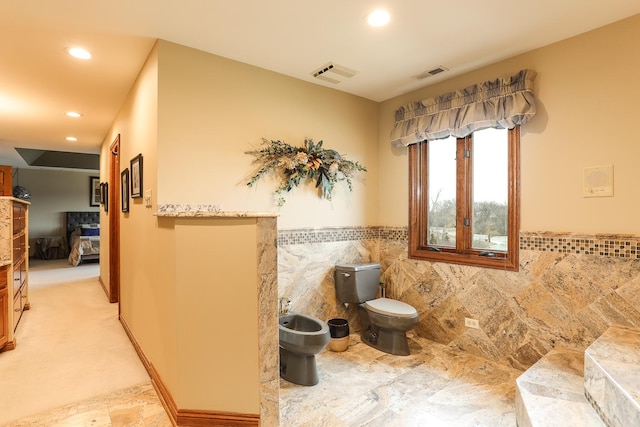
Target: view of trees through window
(489,219)
(489,224)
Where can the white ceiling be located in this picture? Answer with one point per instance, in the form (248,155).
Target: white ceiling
(39,82)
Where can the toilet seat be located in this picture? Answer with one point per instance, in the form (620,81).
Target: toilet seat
(391,307)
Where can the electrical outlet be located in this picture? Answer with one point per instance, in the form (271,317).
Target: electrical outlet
(471,323)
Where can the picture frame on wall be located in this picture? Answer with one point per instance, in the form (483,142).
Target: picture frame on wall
(105,192)
(124,189)
(136,176)
(102,193)
(95,191)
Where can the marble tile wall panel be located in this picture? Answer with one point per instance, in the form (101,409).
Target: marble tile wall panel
(268,309)
(562,295)
(6,243)
(305,275)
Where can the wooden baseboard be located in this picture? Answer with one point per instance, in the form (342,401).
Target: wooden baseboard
(163,393)
(104,288)
(188,417)
(10,345)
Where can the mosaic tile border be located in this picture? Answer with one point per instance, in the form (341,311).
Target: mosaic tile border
(615,246)
(400,234)
(608,245)
(326,235)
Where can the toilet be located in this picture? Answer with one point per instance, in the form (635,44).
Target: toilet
(384,321)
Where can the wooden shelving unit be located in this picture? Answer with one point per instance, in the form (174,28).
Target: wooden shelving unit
(14,262)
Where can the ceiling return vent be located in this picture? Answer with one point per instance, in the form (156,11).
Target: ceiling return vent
(333,73)
(432,72)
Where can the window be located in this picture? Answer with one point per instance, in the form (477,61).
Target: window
(464,199)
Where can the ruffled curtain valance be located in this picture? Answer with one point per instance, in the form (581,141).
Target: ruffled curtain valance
(501,103)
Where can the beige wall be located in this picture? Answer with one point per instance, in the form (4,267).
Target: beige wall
(217,308)
(587,98)
(147,255)
(212,110)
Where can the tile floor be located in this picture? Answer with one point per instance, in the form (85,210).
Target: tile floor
(436,386)
(133,407)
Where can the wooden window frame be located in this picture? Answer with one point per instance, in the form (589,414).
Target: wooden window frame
(419,247)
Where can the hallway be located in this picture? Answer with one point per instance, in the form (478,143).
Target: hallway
(70,349)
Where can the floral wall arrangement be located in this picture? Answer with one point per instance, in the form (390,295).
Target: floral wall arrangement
(293,165)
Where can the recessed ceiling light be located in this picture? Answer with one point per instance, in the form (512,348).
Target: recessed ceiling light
(378,18)
(78,52)
(71,138)
(73,114)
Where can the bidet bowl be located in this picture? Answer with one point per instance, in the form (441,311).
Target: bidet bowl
(303,334)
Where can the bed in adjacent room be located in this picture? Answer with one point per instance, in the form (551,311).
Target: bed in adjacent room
(83,235)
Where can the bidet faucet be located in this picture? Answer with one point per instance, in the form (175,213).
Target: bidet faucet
(284,306)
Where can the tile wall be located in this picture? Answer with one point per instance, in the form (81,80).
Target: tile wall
(568,290)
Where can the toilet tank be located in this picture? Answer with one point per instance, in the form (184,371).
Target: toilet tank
(356,283)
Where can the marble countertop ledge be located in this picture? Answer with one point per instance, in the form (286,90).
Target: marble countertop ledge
(206,211)
(15,199)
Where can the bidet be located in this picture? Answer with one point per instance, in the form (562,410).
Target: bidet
(301,337)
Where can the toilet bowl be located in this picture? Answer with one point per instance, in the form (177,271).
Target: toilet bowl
(384,321)
(301,337)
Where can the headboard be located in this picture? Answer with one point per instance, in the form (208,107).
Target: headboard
(75,219)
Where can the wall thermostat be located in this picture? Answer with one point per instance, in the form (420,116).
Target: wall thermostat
(597,181)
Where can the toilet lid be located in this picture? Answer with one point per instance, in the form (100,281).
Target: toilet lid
(391,307)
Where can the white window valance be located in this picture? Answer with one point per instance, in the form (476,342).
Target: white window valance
(502,103)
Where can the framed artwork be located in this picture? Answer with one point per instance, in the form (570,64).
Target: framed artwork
(136,176)
(105,193)
(102,193)
(124,190)
(95,191)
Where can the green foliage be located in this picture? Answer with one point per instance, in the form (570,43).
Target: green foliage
(490,218)
(292,165)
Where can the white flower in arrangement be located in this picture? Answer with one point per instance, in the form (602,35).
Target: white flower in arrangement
(288,163)
(293,164)
(302,158)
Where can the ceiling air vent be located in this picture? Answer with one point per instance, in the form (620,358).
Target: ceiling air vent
(432,72)
(333,73)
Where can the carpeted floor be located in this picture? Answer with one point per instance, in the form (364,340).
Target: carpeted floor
(70,344)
